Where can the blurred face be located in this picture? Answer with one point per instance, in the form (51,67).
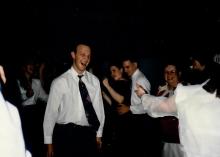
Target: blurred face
(81,58)
(129,67)
(171,75)
(116,73)
(196,65)
(29,69)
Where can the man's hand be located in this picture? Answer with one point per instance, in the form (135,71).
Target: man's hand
(105,82)
(122,109)
(50,150)
(99,142)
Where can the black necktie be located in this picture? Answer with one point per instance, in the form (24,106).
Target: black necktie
(89,110)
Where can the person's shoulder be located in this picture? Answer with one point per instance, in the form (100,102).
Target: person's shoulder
(13,111)
(36,81)
(141,75)
(61,78)
(188,88)
(92,76)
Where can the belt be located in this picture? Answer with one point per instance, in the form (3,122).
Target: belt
(73,125)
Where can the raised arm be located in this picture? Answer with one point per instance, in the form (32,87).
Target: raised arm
(115,95)
(157,106)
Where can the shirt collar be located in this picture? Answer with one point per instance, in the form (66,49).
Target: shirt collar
(75,74)
(135,74)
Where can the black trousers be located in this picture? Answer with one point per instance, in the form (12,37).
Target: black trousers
(146,137)
(32,125)
(71,140)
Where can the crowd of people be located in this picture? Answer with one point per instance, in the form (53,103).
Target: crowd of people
(81,114)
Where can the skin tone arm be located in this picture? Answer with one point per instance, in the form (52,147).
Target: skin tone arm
(2,74)
(157,106)
(117,97)
(99,142)
(49,150)
(106,97)
(122,108)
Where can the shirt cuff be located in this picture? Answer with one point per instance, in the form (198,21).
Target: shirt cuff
(48,140)
(99,133)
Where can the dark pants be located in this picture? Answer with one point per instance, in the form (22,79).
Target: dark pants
(70,140)
(32,125)
(124,133)
(146,137)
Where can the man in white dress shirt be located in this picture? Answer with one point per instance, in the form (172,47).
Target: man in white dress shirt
(66,128)
(144,125)
(198,109)
(33,102)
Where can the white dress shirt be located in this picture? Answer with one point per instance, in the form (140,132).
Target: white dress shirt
(11,136)
(65,104)
(138,78)
(38,90)
(198,112)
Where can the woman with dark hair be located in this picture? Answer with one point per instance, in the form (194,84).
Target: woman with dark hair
(198,109)
(117,95)
(169,124)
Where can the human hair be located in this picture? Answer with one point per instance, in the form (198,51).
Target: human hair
(213,84)
(81,42)
(202,55)
(174,63)
(116,63)
(131,57)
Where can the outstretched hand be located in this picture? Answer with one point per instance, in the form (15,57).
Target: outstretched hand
(140,90)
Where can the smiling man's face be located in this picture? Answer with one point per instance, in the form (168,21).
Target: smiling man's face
(81,58)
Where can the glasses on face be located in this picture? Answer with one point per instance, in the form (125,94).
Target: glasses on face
(171,72)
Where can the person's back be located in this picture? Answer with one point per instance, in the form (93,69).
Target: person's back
(12,142)
(198,109)
(198,113)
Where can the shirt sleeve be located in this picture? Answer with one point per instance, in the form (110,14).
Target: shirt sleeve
(42,94)
(159,106)
(101,113)
(52,110)
(143,81)
(12,141)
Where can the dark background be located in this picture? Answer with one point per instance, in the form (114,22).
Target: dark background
(151,31)
(115,27)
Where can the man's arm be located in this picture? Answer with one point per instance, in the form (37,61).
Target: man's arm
(51,114)
(50,150)
(156,106)
(100,114)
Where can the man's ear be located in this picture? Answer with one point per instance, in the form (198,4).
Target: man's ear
(179,74)
(135,64)
(73,55)
(122,70)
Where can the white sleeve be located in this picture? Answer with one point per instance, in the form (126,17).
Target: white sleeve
(52,110)
(159,106)
(12,141)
